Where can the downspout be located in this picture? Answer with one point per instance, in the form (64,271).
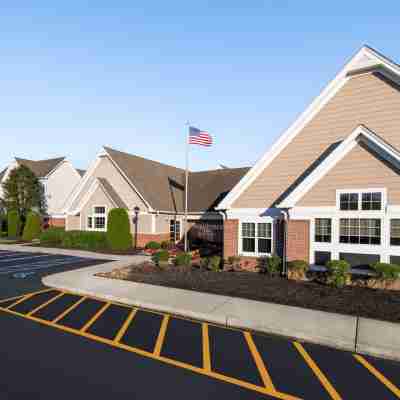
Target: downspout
(285,214)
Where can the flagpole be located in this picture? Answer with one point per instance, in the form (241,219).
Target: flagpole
(186,186)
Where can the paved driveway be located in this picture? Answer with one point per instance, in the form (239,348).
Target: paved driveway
(63,344)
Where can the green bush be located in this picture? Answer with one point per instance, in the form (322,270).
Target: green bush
(183,259)
(338,272)
(298,265)
(52,236)
(215,263)
(85,240)
(386,271)
(119,235)
(270,265)
(234,260)
(161,256)
(32,227)
(167,244)
(13,223)
(153,245)
(204,262)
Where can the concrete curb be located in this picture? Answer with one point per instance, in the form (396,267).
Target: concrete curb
(366,336)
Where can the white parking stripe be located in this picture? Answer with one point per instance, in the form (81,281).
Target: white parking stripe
(53,261)
(32,268)
(25,258)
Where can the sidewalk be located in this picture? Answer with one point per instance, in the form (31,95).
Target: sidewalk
(351,333)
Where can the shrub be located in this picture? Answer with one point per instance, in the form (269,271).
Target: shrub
(204,262)
(270,265)
(13,223)
(32,227)
(387,272)
(153,245)
(161,256)
(167,244)
(183,259)
(338,273)
(234,260)
(52,236)
(215,263)
(119,235)
(85,240)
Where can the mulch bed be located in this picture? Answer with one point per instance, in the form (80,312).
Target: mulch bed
(352,300)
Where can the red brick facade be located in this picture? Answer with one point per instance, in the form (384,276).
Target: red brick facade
(144,238)
(57,222)
(298,240)
(231,237)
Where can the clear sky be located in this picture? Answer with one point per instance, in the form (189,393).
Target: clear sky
(76,75)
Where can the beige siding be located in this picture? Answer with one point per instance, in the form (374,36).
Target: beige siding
(72,223)
(358,170)
(105,169)
(365,99)
(162,223)
(98,198)
(144,224)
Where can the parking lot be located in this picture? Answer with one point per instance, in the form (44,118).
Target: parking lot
(265,366)
(21,272)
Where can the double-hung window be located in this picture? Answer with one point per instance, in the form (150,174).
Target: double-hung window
(323,230)
(174,230)
(360,231)
(256,237)
(97,221)
(395,232)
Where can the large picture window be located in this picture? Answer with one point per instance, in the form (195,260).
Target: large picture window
(257,237)
(323,230)
(360,231)
(395,232)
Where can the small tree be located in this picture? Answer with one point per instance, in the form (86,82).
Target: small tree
(119,234)
(13,224)
(23,192)
(32,227)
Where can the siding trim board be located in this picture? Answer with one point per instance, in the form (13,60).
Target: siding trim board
(365,57)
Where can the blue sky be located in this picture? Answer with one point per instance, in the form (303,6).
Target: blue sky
(129,74)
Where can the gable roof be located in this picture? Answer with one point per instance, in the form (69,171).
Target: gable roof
(40,168)
(360,134)
(114,196)
(365,58)
(2,173)
(162,186)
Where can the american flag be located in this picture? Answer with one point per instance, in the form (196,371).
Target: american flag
(196,136)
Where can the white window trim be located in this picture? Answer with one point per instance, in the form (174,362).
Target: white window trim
(255,220)
(382,191)
(94,215)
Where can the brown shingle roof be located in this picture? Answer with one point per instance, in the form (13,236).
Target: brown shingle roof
(112,193)
(162,186)
(40,168)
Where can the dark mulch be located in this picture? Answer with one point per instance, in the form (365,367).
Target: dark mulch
(359,301)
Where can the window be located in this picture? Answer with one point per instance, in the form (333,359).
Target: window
(366,201)
(174,230)
(323,229)
(98,220)
(395,232)
(257,238)
(360,231)
(371,201)
(349,201)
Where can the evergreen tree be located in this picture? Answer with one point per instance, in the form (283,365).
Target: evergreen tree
(24,192)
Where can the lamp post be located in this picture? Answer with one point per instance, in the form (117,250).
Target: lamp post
(136,218)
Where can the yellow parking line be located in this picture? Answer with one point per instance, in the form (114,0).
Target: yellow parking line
(28,296)
(266,378)
(125,325)
(161,336)
(11,298)
(95,316)
(318,373)
(68,310)
(45,304)
(201,371)
(395,390)
(206,347)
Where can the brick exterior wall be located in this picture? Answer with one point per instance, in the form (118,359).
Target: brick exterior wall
(298,240)
(231,235)
(57,222)
(144,238)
